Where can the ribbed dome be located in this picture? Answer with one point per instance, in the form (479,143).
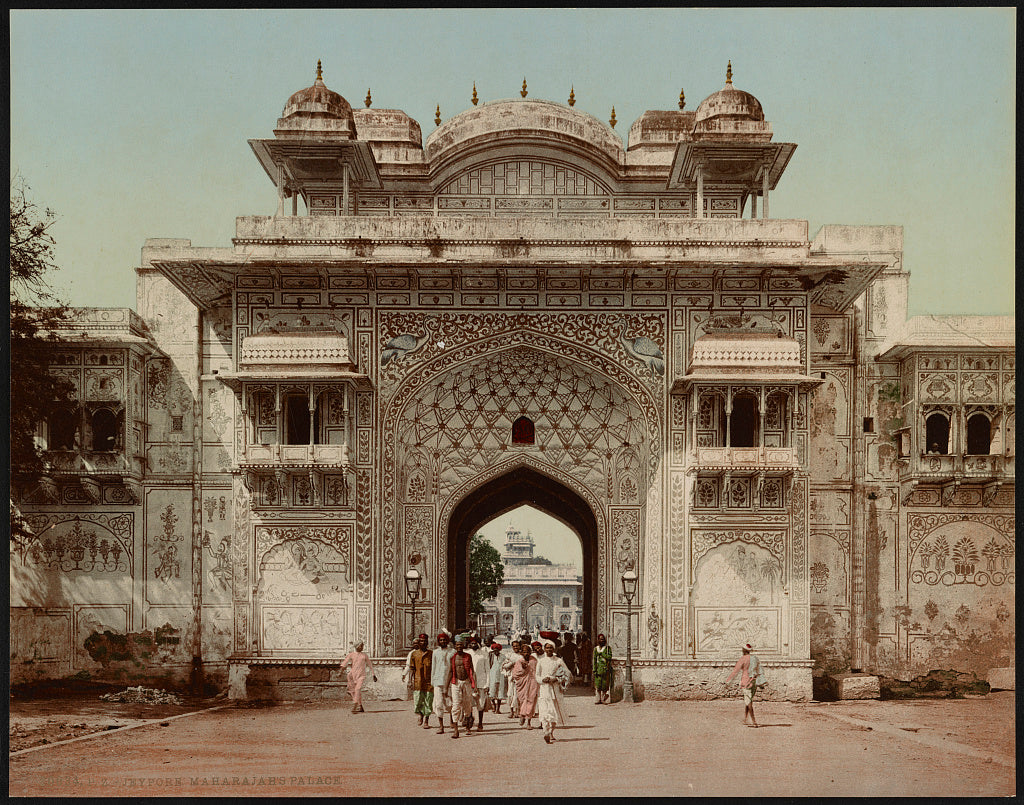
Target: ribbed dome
(317,112)
(317,101)
(729,102)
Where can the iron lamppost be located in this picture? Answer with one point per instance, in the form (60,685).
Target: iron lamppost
(629,580)
(412,589)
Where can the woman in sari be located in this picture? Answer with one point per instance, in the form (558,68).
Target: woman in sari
(527,688)
(602,668)
(552,676)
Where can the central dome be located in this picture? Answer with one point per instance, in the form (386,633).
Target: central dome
(497,121)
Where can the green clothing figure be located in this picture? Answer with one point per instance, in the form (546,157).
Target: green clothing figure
(602,668)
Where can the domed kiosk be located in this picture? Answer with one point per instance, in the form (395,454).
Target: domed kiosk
(316,145)
(731,146)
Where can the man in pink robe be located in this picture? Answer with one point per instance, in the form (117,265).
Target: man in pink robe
(527,687)
(360,665)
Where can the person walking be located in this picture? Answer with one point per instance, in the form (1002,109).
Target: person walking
(440,661)
(570,654)
(507,664)
(497,682)
(601,663)
(552,677)
(360,665)
(419,672)
(586,652)
(527,689)
(462,684)
(481,671)
(748,667)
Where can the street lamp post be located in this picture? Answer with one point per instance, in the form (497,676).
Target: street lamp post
(412,589)
(629,580)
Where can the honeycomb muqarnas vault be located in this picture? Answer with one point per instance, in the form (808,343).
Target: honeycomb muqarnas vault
(425,336)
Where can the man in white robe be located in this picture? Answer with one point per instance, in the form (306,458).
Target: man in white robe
(553,677)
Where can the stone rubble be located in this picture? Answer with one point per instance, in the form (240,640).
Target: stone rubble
(143,695)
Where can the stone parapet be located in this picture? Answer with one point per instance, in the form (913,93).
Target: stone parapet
(753,232)
(703,680)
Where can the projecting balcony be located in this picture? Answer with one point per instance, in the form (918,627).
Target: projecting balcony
(745,460)
(951,471)
(295,455)
(939,468)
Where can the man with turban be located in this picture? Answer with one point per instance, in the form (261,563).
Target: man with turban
(481,671)
(419,672)
(527,689)
(552,676)
(749,668)
(360,664)
(507,664)
(496,679)
(601,665)
(462,684)
(440,660)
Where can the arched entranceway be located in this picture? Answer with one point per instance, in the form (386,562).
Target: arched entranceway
(502,494)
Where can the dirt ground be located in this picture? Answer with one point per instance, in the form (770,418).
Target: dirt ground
(35,721)
(951,747)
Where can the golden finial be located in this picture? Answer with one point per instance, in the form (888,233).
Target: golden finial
(572,96)
(367,100)
(437,115)
(474,98)
(682,100)
(728,73)
(612,120)
(523,90)
(319,71)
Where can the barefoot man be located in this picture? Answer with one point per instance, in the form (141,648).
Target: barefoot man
(360,665)
(749,668)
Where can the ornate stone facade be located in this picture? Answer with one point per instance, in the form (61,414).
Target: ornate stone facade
(524,311)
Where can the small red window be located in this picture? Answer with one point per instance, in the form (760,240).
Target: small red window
(522,431)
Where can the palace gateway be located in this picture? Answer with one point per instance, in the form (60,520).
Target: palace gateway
(523,310)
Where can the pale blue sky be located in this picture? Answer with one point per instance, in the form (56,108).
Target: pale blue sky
(133,124)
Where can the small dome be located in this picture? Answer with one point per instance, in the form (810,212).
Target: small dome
(729,102)
(317,101)
(318,111)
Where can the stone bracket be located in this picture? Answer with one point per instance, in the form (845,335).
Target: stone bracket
(988,492)
(946,492)
(907,491)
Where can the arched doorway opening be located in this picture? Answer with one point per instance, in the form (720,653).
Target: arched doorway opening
(500,495)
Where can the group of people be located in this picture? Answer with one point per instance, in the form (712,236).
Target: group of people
(464,681)
(467,680)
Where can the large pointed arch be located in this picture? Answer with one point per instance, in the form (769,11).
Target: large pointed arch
(519,485)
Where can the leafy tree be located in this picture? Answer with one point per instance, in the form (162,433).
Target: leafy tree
(537,560)
(36,316)
(486,573)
